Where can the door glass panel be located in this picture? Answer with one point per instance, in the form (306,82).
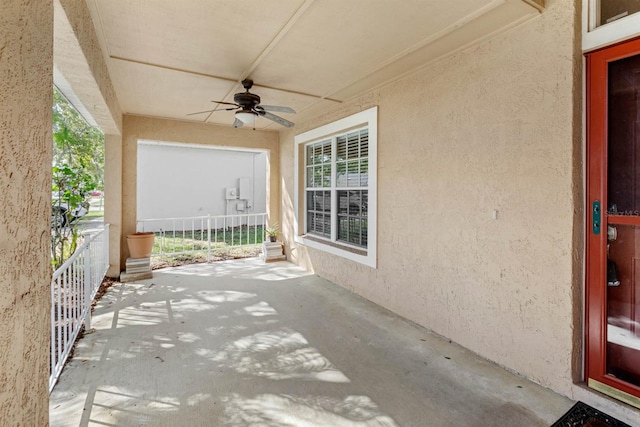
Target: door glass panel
(623,142)
(612,10)
(623,303)
(623,243)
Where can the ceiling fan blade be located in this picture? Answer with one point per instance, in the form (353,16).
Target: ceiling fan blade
(237,123)
(200,112)
(226,103)
(279,120)
(213,111)
(277,108)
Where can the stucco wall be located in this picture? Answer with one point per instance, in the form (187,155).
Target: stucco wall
(137,128)
(26,64)
(491,128)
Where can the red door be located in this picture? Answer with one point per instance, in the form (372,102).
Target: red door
(613,226)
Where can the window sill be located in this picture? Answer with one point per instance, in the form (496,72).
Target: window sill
(338,245)
(361,256)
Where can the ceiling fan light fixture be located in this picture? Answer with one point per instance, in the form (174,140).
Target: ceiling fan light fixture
(246,116)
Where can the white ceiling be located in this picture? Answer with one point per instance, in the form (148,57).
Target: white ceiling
(168,58)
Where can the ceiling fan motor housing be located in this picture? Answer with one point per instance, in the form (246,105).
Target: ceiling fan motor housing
(246,100)
(247,108)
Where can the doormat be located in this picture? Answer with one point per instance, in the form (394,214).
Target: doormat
(582,414)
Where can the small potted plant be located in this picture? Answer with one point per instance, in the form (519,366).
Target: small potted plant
(272,232)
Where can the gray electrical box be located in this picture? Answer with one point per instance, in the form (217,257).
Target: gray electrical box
(244,188)
(231,193)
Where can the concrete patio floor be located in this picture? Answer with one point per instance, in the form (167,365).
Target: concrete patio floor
(243,343)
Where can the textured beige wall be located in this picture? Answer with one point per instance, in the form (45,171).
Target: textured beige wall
(494,127)
(136,128)
(26,67)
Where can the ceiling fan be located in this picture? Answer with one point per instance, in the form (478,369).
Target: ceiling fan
(249,109)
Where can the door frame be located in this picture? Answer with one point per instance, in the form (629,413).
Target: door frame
(596,256)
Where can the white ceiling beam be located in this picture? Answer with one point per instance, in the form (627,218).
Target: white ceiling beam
(180,70)
(460,23)
(276,39)
(268,48)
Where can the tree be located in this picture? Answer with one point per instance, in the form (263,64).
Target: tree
(75,142)
(78,158)
(70,187)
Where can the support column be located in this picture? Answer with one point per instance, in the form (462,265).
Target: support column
(129,184)
(273,187)
(113,200)
(26,84)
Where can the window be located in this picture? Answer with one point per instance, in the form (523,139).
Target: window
(606,22)
(348,155)
(318,179)
(609,11)
(336,167)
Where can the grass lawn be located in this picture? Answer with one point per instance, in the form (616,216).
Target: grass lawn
(220,254)
(180,248)
(176,242)
(93,214)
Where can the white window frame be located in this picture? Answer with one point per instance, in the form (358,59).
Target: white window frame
(594,36)
(368,255)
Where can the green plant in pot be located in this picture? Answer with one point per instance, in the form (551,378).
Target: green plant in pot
(272,232)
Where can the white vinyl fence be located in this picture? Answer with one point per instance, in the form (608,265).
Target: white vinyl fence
(73,287)
(176,236)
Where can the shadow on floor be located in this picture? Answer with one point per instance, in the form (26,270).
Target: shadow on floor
(243,343)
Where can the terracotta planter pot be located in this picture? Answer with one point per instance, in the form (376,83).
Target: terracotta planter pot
(140,244)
